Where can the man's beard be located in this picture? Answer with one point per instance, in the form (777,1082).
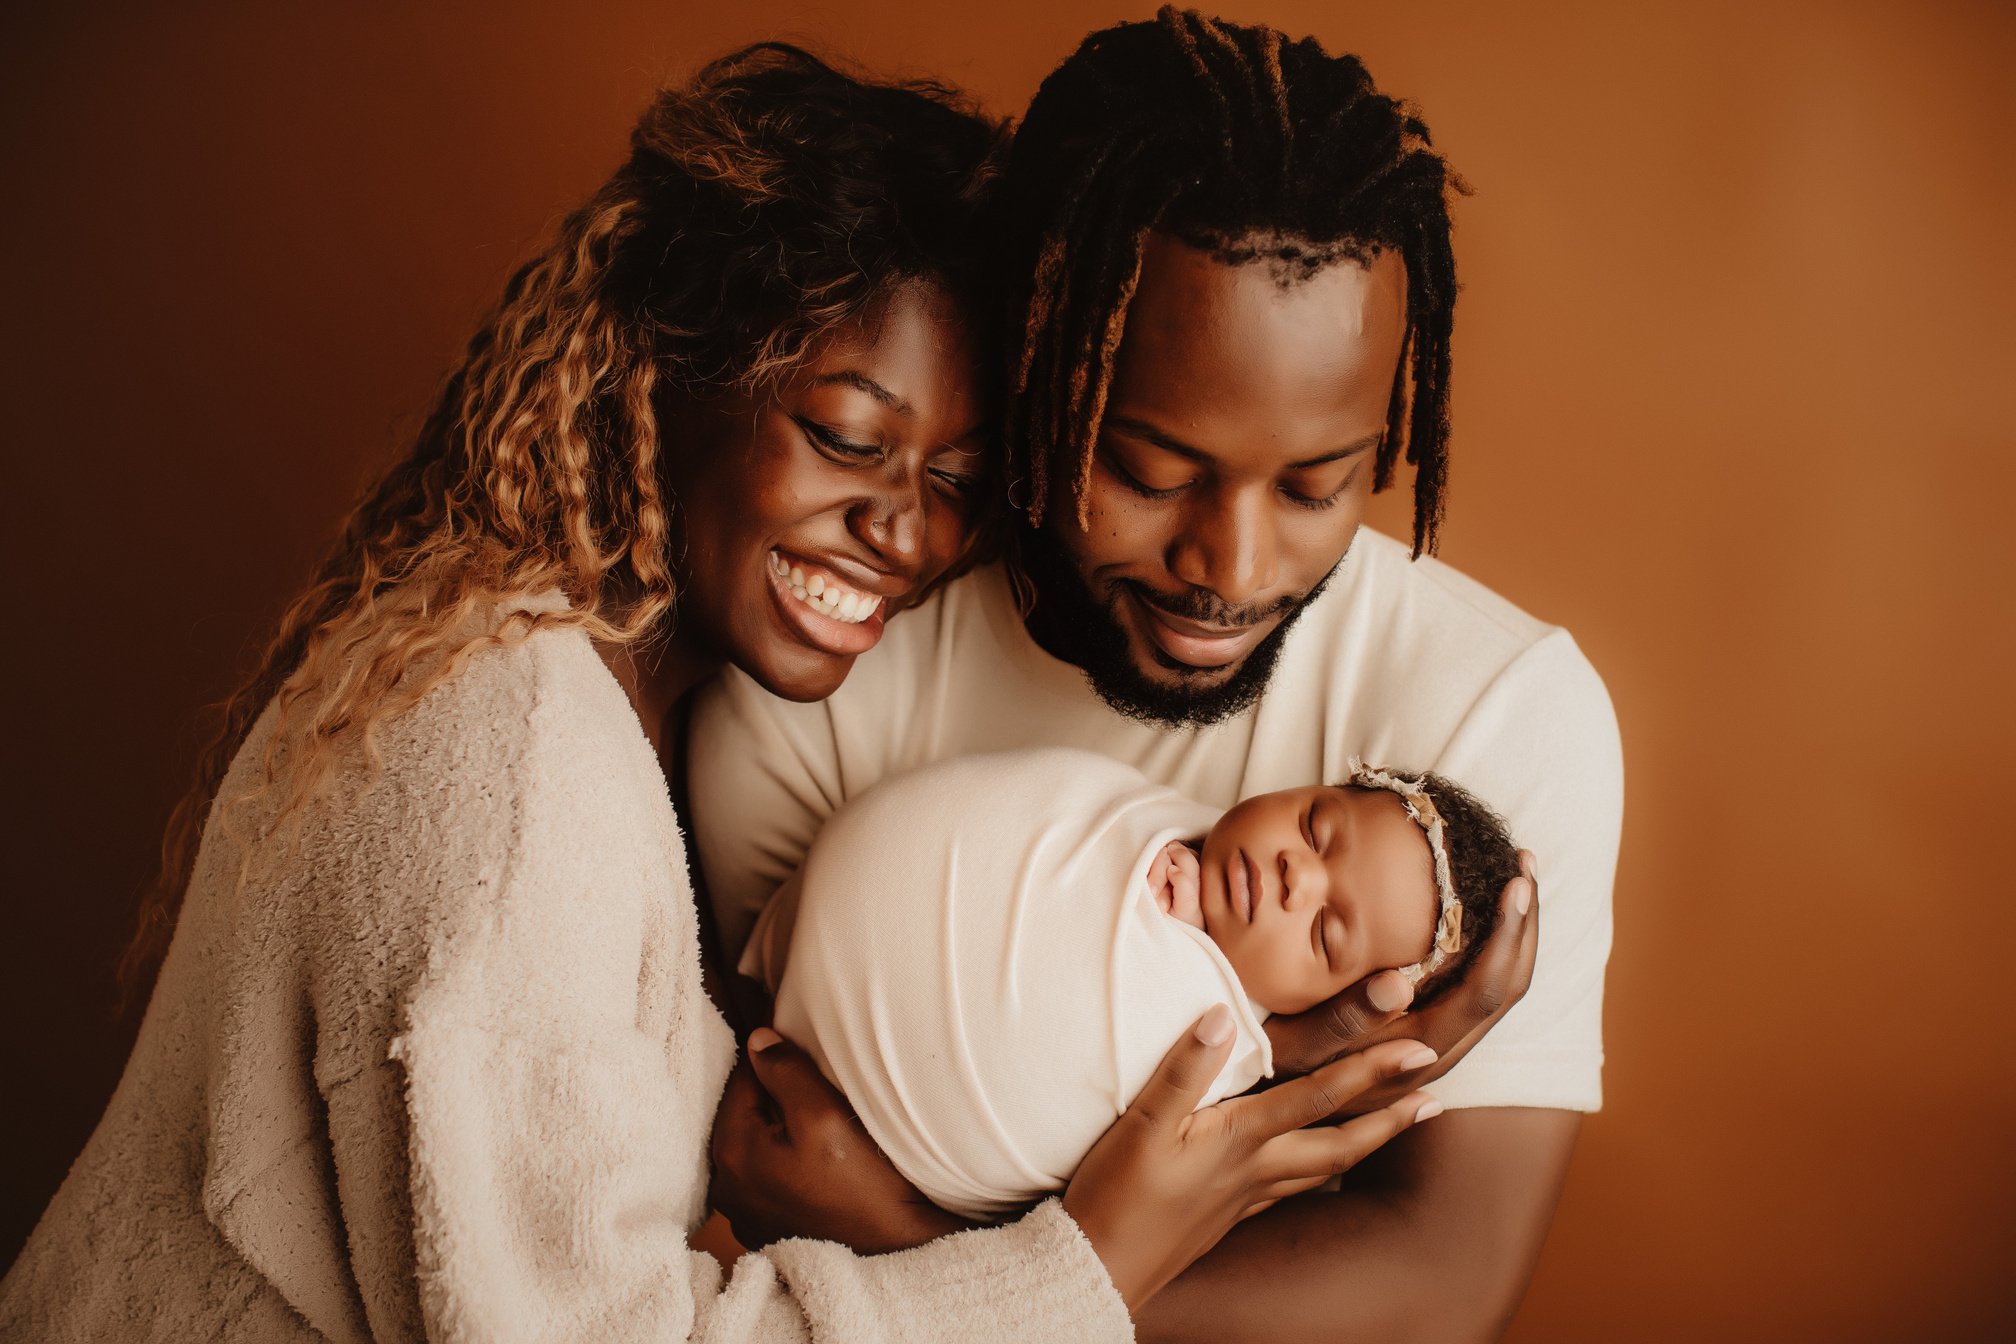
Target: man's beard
(1074,624)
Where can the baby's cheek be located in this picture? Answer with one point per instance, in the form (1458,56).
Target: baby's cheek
(1273,979)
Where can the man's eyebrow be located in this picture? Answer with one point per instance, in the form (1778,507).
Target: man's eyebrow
(1141,429)
(856,379)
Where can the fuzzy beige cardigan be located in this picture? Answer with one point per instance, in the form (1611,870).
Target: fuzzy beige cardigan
(442,1069)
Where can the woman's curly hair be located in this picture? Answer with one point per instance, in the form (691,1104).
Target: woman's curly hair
(767,202)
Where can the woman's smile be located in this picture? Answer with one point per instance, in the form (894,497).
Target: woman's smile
(827,613)
(814,512)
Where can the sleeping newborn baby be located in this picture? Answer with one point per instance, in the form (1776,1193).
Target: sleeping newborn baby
(990,955)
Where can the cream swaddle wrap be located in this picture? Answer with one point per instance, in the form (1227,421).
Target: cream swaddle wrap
(977,962)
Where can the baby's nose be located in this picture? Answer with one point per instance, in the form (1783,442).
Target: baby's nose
(1304,880)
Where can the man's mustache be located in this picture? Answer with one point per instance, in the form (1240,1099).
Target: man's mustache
(1204,606)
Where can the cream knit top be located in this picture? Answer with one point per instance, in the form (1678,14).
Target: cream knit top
(442,1068)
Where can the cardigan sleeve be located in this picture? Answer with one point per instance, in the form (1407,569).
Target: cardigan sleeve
(554,1064)
(540,1175)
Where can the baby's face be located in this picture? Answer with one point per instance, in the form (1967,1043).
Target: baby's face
(1309,890)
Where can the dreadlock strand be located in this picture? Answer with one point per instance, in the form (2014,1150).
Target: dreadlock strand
(1113,326)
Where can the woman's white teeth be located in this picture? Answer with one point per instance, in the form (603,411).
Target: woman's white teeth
(825,595)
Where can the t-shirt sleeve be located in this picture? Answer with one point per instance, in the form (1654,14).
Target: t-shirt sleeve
(765,777)
(1540,746)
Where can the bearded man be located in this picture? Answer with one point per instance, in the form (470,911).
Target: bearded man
(1232,326)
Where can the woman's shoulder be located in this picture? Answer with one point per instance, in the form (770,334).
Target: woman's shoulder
(488,813)
(513,730)
(512,700)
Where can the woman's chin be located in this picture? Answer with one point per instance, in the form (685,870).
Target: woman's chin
(800,674)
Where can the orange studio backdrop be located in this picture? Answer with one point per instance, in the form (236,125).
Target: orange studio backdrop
(1732,404)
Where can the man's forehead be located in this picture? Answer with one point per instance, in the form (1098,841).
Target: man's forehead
(1214,348)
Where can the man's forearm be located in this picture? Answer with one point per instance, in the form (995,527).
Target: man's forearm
(1433,1238)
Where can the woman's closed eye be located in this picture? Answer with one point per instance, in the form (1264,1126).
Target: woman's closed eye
(957,476)
(836,445)
(957,486)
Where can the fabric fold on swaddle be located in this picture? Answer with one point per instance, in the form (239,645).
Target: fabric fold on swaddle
(977,962)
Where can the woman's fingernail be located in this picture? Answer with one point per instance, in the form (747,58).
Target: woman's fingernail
(762,1039)
(1390,993)
(1215,1028)
(1522,898)
(1530,866)
(1429,1110)
(1420,1057)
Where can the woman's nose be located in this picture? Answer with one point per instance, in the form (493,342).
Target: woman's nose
(891,524)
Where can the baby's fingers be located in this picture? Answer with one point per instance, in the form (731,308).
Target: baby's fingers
(1306,1158)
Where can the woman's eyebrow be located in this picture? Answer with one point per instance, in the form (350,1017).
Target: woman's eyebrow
(856,379)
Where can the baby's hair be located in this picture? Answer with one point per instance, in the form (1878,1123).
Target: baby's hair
(1482,859)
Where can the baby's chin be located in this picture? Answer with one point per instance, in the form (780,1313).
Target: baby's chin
(1289,1006)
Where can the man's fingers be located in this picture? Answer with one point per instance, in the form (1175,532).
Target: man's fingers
(742,1119)
(1186,1072)
(801,1093)
(1344,1022)
(1529,939)
(1319,1096)
(1504,965)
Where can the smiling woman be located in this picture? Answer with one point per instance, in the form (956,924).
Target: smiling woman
(823,507)
(429,1055)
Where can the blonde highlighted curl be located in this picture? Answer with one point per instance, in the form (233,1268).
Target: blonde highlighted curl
(764,204)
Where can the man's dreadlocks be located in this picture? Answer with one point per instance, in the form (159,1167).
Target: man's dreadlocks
(1236,140)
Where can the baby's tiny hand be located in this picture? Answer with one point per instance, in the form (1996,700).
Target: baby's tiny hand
(1173,878)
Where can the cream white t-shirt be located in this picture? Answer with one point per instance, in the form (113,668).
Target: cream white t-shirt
(1409,664)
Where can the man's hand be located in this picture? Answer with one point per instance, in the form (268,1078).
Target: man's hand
(791,1160)
(1374,1009)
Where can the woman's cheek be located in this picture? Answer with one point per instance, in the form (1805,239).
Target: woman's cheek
(949,532)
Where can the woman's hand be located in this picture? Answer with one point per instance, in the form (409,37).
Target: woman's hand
(1374,1009)
(791,1160)
(1168,1180)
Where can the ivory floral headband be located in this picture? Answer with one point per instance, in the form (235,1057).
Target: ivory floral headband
(1420,807)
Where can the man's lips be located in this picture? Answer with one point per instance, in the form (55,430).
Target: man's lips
(1195,643)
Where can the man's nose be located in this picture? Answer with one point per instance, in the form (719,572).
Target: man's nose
(1228,545)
